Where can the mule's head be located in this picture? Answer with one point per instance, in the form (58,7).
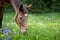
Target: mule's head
(21,17)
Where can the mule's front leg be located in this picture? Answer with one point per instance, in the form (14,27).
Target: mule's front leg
(2,6)
(1,17)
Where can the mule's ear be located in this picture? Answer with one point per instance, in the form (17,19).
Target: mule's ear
(28,6)
(21,7)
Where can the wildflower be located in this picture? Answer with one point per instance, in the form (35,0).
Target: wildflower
(3,39)
(9,37)
(5,28)
(0,30)
(15,32)
(6,31)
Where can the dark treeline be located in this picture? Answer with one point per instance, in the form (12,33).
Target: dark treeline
(43,5)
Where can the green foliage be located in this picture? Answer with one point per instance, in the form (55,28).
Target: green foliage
(56,5)
(44,5)
(41,5)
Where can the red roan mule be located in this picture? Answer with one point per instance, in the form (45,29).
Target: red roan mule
(21,13)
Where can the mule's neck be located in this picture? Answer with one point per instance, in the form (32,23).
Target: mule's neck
(16,4)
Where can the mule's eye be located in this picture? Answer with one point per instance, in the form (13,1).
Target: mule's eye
(21,18)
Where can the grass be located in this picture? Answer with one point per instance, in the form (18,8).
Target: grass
(44,26)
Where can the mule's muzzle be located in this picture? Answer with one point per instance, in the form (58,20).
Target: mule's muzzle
(24,30)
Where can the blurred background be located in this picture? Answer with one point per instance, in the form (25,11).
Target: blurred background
(42,5)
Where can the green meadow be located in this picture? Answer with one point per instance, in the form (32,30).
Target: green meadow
(41,26)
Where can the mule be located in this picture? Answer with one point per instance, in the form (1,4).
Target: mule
(21,11)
